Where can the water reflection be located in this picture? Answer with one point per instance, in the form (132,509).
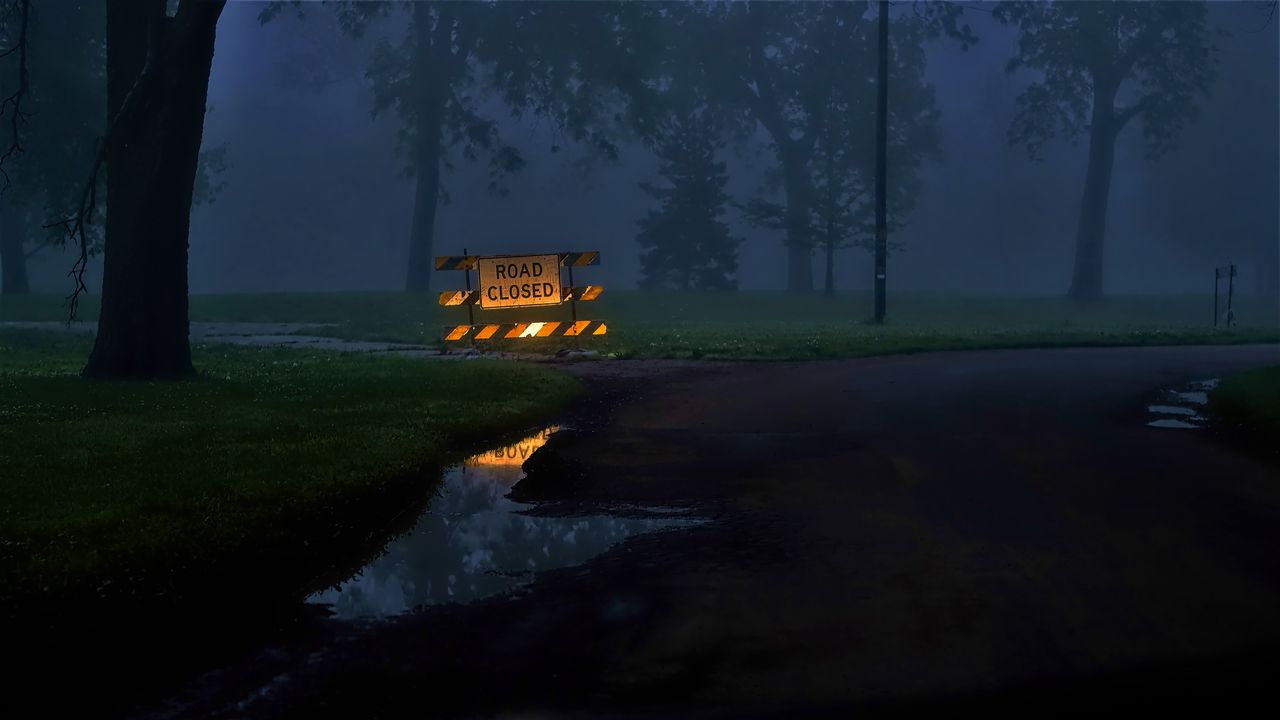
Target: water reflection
(1180,409)
(502,464)
(473,542)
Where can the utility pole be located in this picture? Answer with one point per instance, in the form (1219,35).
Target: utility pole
(882,139)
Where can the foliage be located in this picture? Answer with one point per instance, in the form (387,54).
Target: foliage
(68,86)
(574,64)
(67,106)
(806,73)
(1246,408)
(1250,401)
(1156,58)
(687,246)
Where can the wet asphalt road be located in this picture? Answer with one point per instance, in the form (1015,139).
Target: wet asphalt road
(994,530)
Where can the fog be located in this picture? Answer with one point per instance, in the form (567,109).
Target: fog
(317,198)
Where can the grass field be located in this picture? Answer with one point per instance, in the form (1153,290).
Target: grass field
(1248,406)
(751,325)
(268,462)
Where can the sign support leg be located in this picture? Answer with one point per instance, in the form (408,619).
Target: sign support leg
(471,312)
(573,307)
(573,299)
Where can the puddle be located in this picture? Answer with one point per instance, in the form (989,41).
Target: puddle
(1179,424)
(1179,409)
(1170,410)
(473,542)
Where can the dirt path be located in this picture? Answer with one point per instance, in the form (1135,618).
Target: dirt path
(989,528)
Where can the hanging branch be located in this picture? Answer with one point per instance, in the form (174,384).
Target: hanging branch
(13,103)
(166,37)
(76,226)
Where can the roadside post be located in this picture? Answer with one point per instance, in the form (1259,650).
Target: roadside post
(520,281)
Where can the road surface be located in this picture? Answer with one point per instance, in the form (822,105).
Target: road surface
(975,530)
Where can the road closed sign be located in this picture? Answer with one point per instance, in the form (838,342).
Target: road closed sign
(519,281)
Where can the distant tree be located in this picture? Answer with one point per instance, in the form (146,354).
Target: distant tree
(1099,66)
(686,243)
(157,68)
(55,127)
(837,111)
(783,66)
(570,63)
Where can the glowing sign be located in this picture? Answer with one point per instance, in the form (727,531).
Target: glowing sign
(516,281)
(519,281)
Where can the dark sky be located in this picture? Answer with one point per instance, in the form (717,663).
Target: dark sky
(317,199)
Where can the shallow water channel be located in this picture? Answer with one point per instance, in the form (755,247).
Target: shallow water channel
(1181,408)
(472,541)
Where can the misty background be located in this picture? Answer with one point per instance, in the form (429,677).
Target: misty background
(316,197)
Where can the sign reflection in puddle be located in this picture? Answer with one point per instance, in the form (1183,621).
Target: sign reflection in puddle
(472,542)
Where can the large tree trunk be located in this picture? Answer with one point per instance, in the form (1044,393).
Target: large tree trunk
(425,197)
(829,286)
(799,242)
(830,240)
(153,147)
(429,116)
(1086,279)
(13,256)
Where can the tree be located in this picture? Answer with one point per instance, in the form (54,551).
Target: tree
(59,123)
(13,252)
(835,107)
(1099,66)
(783,66)
(687,246)
(769,76)
(571,63)
(157,86)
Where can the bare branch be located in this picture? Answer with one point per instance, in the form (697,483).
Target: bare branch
(1270,7)
(18,116)
(76,226)
(1124,115)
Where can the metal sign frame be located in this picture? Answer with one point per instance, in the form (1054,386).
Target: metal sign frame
(570,295)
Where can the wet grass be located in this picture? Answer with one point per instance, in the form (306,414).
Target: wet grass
(755,325)
(126,490)
(1247,405)
(768,326)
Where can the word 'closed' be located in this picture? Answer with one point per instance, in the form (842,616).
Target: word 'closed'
(519,281)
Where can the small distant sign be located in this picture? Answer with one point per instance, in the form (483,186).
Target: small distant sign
(519,281)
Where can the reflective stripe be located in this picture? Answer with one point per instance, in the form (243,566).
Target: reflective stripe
(591,257)
(455,262)
(512,331)
(585,293)
(459,297)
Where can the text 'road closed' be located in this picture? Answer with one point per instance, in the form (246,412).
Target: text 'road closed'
(519,281)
